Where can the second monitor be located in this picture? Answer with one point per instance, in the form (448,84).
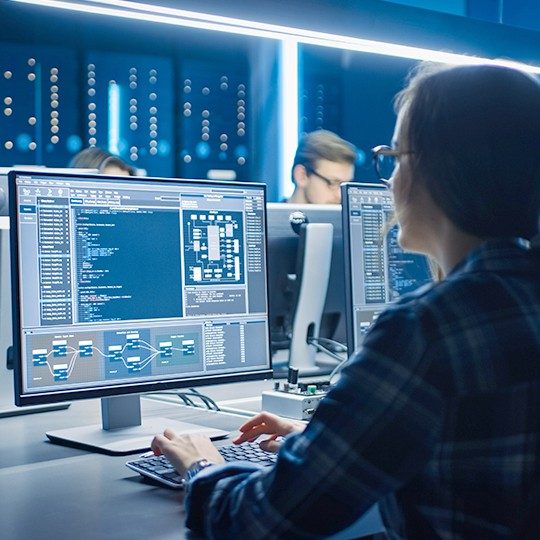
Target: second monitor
(285,266)
(377,270)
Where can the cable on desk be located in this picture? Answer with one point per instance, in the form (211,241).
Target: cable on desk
(335,346)
(186,398)
(336,370)
(210,403)
(319,347)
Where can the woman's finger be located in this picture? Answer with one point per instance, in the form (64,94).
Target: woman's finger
(270,444)
(261,418)
(252,434)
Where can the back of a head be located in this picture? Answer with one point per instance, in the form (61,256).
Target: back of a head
(474,132)
(96,158)
(323,144)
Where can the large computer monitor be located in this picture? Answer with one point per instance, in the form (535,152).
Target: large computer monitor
(285,266)
(124,285)
(7,407)
(377,270)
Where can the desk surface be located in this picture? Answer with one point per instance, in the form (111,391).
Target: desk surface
(55,492)
(50,491)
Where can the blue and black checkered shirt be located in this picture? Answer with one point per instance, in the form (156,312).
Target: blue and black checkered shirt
(436,418)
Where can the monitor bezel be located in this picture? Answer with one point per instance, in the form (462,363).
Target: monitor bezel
(347,263)
(21,398)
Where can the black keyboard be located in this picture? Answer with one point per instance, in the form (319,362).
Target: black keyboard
(159,468)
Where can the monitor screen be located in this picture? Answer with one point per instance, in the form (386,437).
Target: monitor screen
(377,270)
(127,285)
(284,264)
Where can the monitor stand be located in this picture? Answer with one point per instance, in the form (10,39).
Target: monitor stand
(122,431)
(316,247)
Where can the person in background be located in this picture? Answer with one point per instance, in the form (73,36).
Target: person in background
(436,416)
(323,161)
(104,162)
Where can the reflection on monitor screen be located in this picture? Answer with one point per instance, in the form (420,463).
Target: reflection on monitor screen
(124,285)
(378,271)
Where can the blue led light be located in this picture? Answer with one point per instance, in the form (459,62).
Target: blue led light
(164,148)
(123,147)
(360,157)
(202,149)
(74,144)
(22,141)
(241,151)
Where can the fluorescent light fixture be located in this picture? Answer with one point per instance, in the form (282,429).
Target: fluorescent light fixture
(288,98)
(114,118)
(206,21)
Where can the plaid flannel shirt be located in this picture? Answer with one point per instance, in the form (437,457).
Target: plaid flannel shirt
(436,417)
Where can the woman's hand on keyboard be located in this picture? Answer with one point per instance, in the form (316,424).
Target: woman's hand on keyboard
(184,450)
(268,424)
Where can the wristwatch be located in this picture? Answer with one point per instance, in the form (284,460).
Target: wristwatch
(195,468)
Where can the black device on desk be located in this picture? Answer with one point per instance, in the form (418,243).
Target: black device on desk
(124,285)
(377,270)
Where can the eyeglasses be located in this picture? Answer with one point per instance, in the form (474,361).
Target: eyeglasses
(385,159)
(332,184)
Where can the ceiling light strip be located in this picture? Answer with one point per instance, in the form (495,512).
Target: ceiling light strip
(190,19)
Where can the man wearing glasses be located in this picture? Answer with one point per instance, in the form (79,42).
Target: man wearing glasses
(323,161)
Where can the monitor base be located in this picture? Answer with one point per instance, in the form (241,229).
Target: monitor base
(126,440)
